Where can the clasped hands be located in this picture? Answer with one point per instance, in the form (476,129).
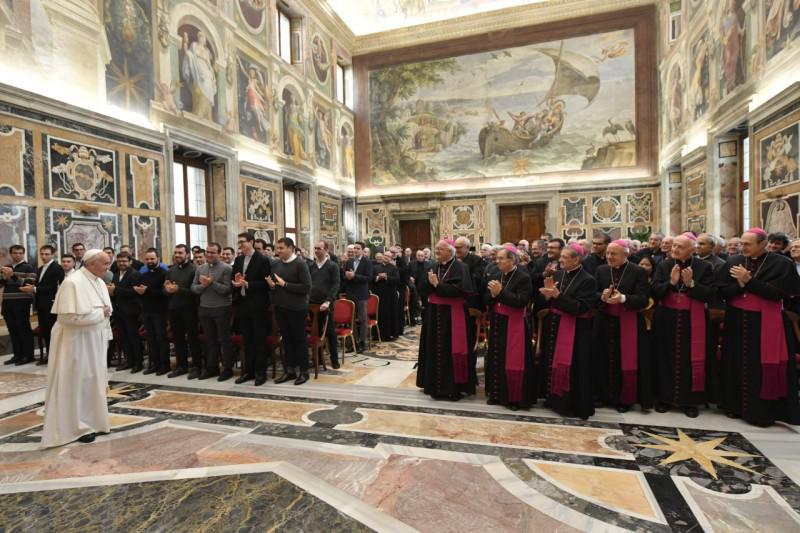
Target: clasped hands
(550,290)
(238,281)
(278,281)
(741,275)
(686,275)
(611,296)
(433,279)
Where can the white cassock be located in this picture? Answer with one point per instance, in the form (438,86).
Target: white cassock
(75,403)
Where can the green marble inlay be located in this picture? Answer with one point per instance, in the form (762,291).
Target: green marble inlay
(246,502)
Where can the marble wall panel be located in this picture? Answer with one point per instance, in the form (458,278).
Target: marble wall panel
(64,227)
(463,218)
(16,161)
(373,224)
(17,226)
(144,232)
(81,172)
(143,182)
(695,192)
(630,213)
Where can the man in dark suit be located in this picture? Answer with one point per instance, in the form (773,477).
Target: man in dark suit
(126,305)
(16,308)
(250,303)
(48,277)
(154,312)
(357,276)
(418,273)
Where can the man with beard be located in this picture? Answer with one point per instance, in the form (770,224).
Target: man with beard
(600,242)
(622,356)
(182,306)
(154,313)
(446,359)
(566,343)
(758,375)
(685,355)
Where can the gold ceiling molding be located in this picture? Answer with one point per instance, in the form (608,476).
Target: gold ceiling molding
(328,18)
(502,19)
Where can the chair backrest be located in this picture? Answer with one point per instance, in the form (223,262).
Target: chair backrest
(315,320)
(344,311)
(407,296)
(372,305)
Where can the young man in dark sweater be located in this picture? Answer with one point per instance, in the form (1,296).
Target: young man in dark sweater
(182,309)
(154,312)
(325,290)
(290,285)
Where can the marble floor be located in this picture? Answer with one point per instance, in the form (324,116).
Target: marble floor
(361,449)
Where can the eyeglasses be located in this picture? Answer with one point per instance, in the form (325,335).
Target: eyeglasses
(319,248)
(240,242)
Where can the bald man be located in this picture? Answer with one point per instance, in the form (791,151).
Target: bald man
(757,368)
(706,244)
(685,354)
(622,357)
(446,365)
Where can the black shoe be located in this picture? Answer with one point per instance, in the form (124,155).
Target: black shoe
(335,364)
(286,377)
(731,414)
(491,401)
(691,412)
(162,371)
(662,407)
(11,361)
(260,380)
(194,373)
(302,378)
(89,437)
(126,366)
(21,362)
(41,362)
(205,374)
(226,375)
(137,368)
(243,378)
(179,371)
(150,370)
(514,407)
(623,408)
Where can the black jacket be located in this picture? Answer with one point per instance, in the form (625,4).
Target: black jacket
(125,300)
(47,286)
(22,275)
(357,289)
(183,276)
(153,300)
(256,298)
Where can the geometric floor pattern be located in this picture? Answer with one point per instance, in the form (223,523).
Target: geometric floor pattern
(361,449)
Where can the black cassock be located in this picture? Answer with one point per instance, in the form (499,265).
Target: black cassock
(774,278)
(578,298)
(515,294)
(435,370)
(386,289)
(631,280)
(673,331)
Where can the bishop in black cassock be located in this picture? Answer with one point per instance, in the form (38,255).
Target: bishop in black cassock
(565,347)
(685,353)
(623,373)
(759,380)
(446,366)
(510,377)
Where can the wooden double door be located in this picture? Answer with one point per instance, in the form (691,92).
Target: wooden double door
(415,234)
(518,222)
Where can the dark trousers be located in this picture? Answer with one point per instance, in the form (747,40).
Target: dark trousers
(155,325)
(330,333)
(17,315)
(184,334)
(295,344)
(216,322)
(254,328)
(361,317)
(128,328)
(46,322)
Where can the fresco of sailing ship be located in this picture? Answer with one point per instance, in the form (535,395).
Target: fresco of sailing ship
(561,106)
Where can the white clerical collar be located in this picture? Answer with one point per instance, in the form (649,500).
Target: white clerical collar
(291,258)
(320,263)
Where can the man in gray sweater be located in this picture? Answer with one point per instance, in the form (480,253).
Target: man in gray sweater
(290,285)
(212,281)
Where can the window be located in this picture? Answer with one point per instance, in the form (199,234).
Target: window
(674,20)
(290,213)
(191,203)
(744,185)
(284,36)
(344,84)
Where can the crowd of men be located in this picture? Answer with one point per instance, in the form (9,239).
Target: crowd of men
(618,323)
(615,323)
(207,295)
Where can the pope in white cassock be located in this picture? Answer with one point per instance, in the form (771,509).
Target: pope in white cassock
(75,404)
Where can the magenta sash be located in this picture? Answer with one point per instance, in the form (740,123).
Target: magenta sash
(458,336)
(697,319)
(515,348)
(774,352)
(629,350)
(562,356)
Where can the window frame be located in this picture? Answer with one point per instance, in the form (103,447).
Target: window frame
(186,219)
(281,13)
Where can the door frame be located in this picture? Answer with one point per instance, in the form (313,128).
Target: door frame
(548,198)
(431,215)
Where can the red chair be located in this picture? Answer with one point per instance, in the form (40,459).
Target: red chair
(344,321)
(315,335)
(373,303)
(37,332)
